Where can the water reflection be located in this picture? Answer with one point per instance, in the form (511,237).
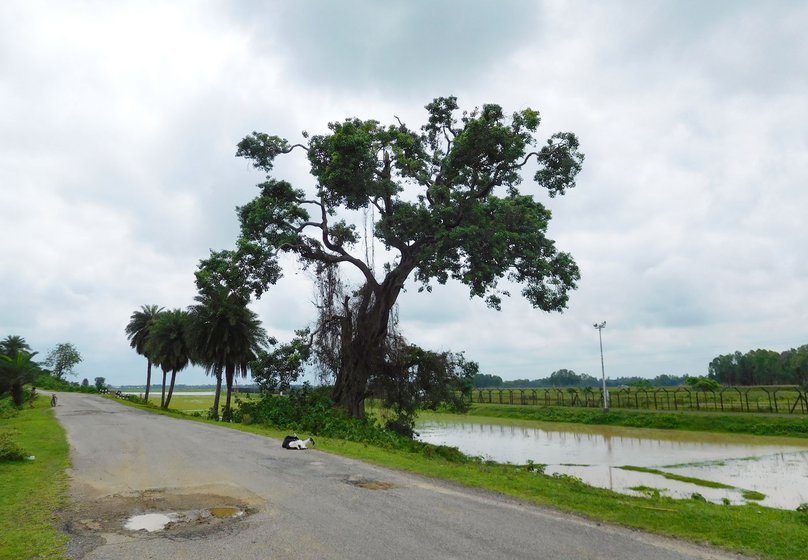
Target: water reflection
(776,467)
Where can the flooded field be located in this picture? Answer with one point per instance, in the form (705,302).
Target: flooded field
(769,471)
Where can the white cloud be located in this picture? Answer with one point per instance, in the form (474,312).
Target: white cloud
(117,171)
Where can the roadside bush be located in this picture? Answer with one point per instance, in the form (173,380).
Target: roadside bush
(48,382)
(311,411)
(7,408)
(9,450)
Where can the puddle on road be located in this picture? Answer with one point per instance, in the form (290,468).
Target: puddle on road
(157,510)
(153,522)
(150,522)
(225,512)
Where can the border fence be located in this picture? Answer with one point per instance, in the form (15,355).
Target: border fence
(778,399)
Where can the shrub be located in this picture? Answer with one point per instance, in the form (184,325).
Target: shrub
(7,408)
(9,450)
(311,411)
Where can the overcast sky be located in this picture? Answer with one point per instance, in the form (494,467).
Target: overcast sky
(119,122)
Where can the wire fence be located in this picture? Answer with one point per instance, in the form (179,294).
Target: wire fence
(780,399)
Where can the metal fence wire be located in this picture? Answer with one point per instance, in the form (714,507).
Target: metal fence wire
(780,399)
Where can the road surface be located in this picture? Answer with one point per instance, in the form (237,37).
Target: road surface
(283,504)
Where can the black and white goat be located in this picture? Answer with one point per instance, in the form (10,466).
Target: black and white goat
(294,442)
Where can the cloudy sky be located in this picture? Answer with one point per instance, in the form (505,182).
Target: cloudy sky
(119,121)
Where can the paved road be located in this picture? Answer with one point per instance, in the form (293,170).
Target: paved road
(297,504)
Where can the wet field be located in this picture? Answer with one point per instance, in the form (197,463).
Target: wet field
(776,468)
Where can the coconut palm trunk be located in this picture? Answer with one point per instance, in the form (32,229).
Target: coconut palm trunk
(163,395)
(217,396)
(148,379)
(229,373)
(171,388)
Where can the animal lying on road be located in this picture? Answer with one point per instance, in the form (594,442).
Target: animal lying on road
(294,442)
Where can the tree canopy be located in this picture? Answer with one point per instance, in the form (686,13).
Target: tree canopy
(443,203)
(762,367)
(62,359)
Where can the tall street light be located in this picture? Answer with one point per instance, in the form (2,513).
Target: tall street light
(600,327)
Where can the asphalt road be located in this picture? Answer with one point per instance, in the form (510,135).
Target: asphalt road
(297,504)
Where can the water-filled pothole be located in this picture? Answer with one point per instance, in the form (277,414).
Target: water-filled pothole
(157,510)
(150,522)
(153,522)
(225,512)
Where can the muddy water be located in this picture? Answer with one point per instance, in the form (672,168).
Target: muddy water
(775,467)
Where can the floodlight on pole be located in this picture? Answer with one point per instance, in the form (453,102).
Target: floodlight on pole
(600,327)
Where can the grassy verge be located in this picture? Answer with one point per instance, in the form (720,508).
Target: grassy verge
(750,529)
(679,477)
(32,491)
(736,423)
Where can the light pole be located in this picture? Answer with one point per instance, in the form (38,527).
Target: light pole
(600,327)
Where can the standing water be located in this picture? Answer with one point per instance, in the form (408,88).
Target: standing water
(774,467)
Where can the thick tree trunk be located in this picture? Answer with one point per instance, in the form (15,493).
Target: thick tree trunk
(171,388)
(148,379)
(16,393)
(363,341)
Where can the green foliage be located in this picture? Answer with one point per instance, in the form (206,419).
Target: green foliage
(753,495)
(9,449)
(44,381)
(703,383)
(311,411)
(413,378)
(803,508)
(62,359)
(100,383)
(445,204)
(224,334)
(762,367)
(277,369)
(15,372)
(13,344)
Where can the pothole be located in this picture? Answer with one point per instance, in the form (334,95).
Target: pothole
(370,484)
(149,522)
(225,512)
(153,522)
(156,511)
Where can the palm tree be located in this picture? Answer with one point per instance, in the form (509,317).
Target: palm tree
(12,344)
(169,346)
(227,336)
(17,371)
(208,328)
(137,331)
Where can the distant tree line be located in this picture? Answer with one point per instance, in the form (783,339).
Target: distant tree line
(568,378)
(762,367)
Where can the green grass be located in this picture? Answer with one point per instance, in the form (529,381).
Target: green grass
(31,492)
(680,478)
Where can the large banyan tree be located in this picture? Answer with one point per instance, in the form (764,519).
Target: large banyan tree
(444,202)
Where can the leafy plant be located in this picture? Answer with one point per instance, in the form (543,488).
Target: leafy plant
(9,450)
